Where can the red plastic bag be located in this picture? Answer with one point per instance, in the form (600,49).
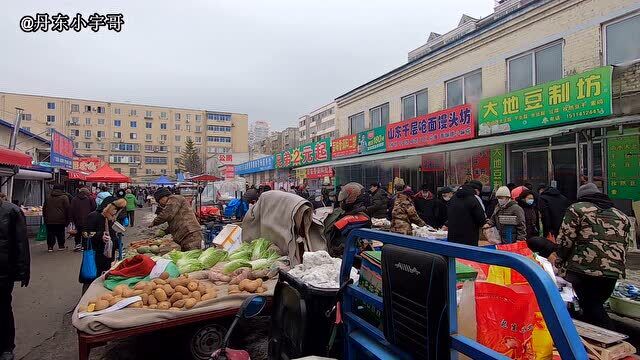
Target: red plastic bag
(509,322)
(506,276)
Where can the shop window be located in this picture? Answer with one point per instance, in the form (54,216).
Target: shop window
(416,104)
(535,67)
(464,89)
(379,115)
(564,139)
(356,123)
(621,40)
(517,169)
(544,142)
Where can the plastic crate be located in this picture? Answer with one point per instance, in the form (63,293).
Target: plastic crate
(299,326)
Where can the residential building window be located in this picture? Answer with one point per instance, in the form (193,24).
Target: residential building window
(87,134)
(76,145)
(413,105)
(100,109)
(133,112)
(219,117)
(148,148)
(133,136)
(75,132)
(464,89)
(163,137)
(148,125)
(163,148)
(133,171)
(148,137)
(87,108)
(188,127)
(147,171)
(148,113)
(177,138)
(117,135)
(198,118)
(163,126)
(188,116)
(100,121)
(51,118)
(177,116)
(87,121)
(125,147)
(535,67)
(163,171)
(51,106)
(101,146)
(379,116)
(155,160)
(100,134)
(356,123)
(75,120)
(116,111)
(188,138)
(219,128)
(621,40)
(198,128)
(26,117)
(133,124)
(163,115)
(177,149)
(117,123)
(219,139)
(198,139)
(177,126)
(75,108)
(87,145)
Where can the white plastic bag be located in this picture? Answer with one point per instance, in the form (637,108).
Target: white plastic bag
(493,235)
(108,247)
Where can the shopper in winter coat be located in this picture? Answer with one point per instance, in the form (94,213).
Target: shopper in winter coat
(404,214)
(465,216)
(508,207)
(56,215)
(552,205)
(103,194)
(81,206)
(439,217)
(592,246)
(14,266)
(425,203)
(379,200)
(131,206)
(177,213)
(531,213)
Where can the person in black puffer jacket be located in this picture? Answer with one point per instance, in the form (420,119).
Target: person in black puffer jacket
(552,205)
(465,216)
(379,200)
(531,213)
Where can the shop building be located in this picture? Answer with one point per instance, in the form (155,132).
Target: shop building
(524,46)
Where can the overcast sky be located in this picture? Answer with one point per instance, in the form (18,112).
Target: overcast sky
(274,60)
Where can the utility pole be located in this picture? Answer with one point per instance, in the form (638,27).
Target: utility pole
(12,145)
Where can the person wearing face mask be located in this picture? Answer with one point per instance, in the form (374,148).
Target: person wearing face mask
(531,213)
(379,200)
(507,207)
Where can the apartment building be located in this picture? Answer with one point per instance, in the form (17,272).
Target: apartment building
(278,141)
(258,131)
(140,141)
(522,45)
(318,124)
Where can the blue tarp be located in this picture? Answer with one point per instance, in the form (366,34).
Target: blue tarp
(163,180)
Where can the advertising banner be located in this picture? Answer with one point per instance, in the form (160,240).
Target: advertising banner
(372,141)
(258,165)
(344,146)
(306,154)
(319,172)
(87,164)
(61,151)
(623,166)
(440,127)
(498,169)
(574,98)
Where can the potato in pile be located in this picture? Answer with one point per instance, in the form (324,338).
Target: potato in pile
(158,294)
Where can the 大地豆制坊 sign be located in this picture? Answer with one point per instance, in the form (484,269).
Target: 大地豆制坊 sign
(306,154)
(449,125)
(574,98)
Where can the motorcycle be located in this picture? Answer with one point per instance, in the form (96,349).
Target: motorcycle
(251,306)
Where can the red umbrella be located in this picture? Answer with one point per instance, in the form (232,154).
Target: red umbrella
(107,175)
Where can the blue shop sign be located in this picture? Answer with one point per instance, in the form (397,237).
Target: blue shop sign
(258,165)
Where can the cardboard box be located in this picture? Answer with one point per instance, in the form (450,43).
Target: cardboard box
(229,239)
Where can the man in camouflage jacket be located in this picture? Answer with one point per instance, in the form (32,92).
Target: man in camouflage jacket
(404,214)
(178,214)
(592,246)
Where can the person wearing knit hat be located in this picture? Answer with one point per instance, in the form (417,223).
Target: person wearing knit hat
(503,192)
(592,245)
(507,207)
(177,213)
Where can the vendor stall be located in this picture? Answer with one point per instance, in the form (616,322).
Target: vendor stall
(107,175)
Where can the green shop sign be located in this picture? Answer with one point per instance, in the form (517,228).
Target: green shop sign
(306,154)
(372,141)
(623,166)
(574,98)
(498,168)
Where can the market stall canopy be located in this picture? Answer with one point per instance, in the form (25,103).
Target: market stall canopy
(107,175)
(204,177)
(163,180)
(14,158)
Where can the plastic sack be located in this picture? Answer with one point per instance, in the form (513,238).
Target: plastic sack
(108,249)
(493,235)
(509,322)
(42,233)
(506,276)
(88,268)
(125,221)
(71,229)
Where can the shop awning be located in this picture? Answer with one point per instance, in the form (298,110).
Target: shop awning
(14,158)
(107,175)
(25,174)
(481,142)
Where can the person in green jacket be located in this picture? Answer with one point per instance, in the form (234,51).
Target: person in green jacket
(131,206)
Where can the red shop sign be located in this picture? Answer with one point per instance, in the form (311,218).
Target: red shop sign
(440,127)
(319,172)
(229,172)
(432,162)
(344,146)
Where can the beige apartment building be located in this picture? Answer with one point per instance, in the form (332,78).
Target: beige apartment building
(318,124)
(141,141)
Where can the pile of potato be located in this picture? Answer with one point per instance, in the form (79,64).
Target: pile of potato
(252,286)
(160,294)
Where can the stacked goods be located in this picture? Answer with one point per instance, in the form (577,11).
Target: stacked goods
(180,293)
